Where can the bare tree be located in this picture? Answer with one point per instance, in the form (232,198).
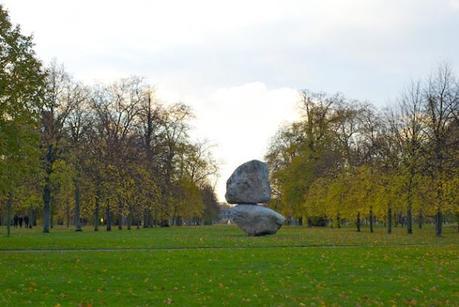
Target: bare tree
(55,112)
(409,130)
(441,103)
(116,108)
(77,127)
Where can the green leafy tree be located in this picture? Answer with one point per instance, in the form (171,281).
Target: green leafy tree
(21,95)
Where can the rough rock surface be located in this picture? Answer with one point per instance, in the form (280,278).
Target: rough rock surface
(249,184)
(256,220)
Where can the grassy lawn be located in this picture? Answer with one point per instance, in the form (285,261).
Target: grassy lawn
(219,265)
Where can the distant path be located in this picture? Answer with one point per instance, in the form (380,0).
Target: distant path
(146,249)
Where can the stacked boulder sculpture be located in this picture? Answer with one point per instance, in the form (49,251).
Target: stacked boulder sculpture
(249,187)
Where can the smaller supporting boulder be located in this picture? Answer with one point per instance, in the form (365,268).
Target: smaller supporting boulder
(256,220)
(249,184)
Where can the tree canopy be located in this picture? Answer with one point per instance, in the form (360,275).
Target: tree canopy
(347,161)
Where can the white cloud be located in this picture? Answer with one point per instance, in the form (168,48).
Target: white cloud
(454,4)
(239,120)
(102,26)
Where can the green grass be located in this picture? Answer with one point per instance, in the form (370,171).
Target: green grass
(219,265)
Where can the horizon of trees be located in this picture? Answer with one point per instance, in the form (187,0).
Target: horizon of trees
(346,161)
(72,153)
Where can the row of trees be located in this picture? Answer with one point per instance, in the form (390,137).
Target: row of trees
(345,161)
(70,152)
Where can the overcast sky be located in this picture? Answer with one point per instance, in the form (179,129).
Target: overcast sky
(239,64)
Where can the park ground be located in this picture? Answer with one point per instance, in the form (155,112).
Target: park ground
(219,265)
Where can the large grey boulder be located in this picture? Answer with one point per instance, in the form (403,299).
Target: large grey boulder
(256,220)
(249,184)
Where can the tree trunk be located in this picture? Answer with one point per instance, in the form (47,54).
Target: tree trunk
(438,223)
(309,222)
(129,220)
(108,218)
(51,217)
(371,219)
(420,219)
(145,218)
(358,222)
(47,190)
(77,206)
(33,218)
(338,221)
(409,218)
(389,220)
(9,204)
(67,214)
(152,219)
(120,217)
(46,206)
(96,215)
(30,213)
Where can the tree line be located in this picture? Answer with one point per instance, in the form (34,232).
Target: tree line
(111,153)
(72,153)
(345,161)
